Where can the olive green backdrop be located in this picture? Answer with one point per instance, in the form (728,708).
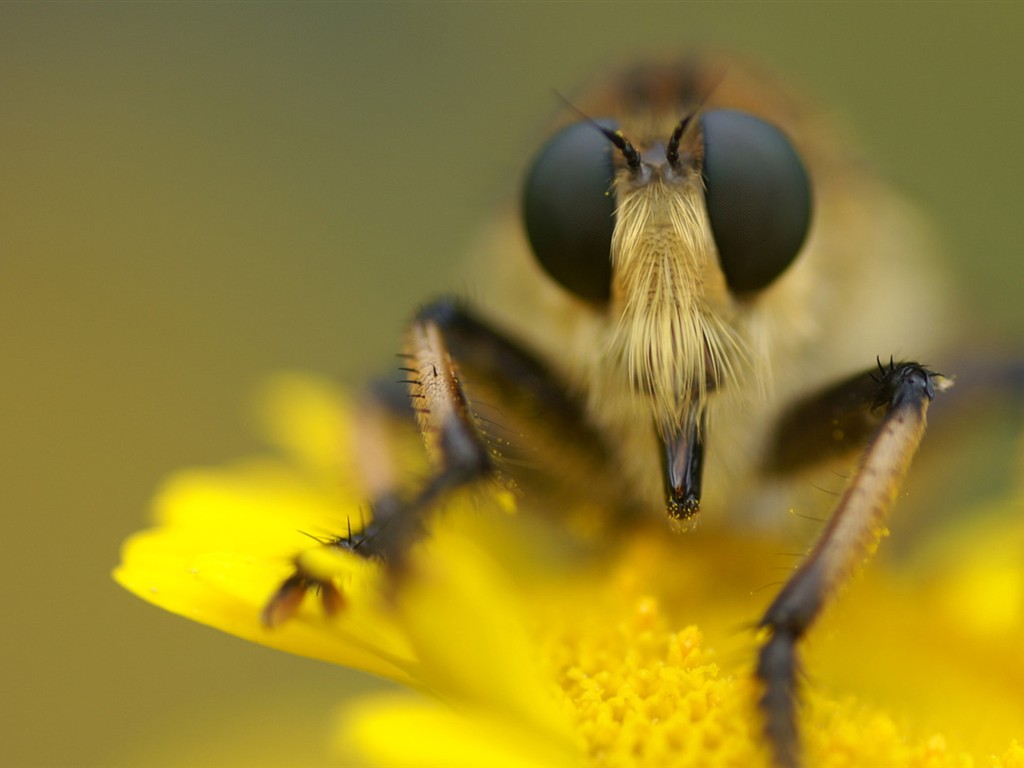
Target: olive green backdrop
(195,195)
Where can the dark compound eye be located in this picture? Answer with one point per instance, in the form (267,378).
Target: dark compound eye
(568,209)
(758,197)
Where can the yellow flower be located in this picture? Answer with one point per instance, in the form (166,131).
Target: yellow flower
(521,650)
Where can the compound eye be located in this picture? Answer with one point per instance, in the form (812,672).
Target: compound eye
(758,197)
(569,207)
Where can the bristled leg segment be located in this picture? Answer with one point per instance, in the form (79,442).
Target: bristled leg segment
(444,340)
(457,451)
(900,393)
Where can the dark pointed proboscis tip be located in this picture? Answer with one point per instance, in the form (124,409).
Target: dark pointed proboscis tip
(682,509)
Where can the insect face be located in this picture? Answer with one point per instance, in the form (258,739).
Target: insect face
(669,222)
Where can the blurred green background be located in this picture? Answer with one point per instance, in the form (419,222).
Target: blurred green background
(195,195)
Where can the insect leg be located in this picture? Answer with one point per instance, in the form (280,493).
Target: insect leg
(535,424)
(378,413)
(458,453)
(444,342)
(900,393)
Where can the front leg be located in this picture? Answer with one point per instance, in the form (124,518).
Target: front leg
(445,346)
(901,393)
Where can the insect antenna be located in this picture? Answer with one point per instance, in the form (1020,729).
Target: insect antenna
(672,151)
(617,138)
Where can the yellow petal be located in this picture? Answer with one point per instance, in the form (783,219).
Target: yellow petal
(309,418)
(408,732)
(228,541)
(466,621)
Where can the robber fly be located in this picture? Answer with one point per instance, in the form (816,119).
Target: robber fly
(698,296)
